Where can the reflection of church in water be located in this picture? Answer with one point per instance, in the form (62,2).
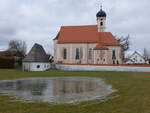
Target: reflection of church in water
(54,87)
(62,87)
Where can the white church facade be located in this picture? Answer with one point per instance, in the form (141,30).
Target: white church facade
(89,44)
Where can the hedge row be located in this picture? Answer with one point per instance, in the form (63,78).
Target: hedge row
(7,62)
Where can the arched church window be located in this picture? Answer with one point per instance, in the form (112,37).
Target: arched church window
(65,53)
(101,23)
(77,53)
(113,55)
(90,53)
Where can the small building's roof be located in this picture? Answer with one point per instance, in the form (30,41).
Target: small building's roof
(56,37)
(137,53)
(100,47)
(85,34)
(36,54)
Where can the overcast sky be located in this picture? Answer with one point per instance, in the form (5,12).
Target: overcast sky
(38,21)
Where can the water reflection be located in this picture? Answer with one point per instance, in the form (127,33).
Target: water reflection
(59,90)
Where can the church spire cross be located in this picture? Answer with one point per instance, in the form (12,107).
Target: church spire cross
(101,7)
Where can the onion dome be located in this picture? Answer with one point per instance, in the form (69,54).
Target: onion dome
(101,13)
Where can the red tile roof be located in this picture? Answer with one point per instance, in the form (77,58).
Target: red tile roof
(85,34)
(9,54)
(100,47)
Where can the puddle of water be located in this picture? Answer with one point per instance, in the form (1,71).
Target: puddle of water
(56,90)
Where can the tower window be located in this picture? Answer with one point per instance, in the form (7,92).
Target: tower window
(65,53)
(101,23)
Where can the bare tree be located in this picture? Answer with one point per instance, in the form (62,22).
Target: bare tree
(18,45)
(146,53)
(125,44)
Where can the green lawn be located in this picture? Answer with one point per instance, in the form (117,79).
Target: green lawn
(133,91)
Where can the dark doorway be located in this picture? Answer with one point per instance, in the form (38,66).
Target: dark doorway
(117,62)
(113,61)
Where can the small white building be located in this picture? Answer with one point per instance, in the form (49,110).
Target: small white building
(36,60)
(136,58)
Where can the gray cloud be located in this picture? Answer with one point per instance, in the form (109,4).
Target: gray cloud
(39,21)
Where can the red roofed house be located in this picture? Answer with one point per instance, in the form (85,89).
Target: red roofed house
(87,44)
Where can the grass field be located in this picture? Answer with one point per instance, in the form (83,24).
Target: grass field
(133,91)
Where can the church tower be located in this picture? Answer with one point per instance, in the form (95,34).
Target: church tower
(101,20)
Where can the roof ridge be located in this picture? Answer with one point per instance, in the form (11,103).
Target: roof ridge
(86,34)
(36,54)
(37,44)
(79,25)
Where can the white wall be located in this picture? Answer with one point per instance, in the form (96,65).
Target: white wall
(84,47)
(33,66)
(102,68)
(71,48)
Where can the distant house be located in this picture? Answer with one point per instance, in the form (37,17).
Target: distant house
(10,54)
(135,58)
(148,61)
(36,59)
(10,59)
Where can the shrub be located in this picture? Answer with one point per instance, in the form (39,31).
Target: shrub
(7,62)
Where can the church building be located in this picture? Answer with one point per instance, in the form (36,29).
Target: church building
(89,44)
